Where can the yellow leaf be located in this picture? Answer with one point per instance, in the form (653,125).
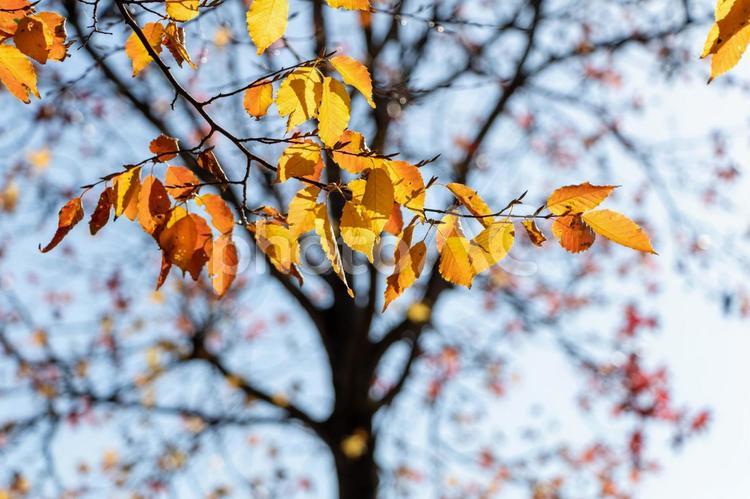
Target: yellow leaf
(127,186)
(300,160)
(278,244)
(378,199)
(137,52)
(221,215)
(258,99)
(573,199)
(301,213)
(349,4)
(335,107)
(17,73)
(174,40)
(408,265)
(324,229)
(574,235)
(182,10)
(34,38)
(472,202)
(352,154)
(356,229)
(455,263)
(535,234)
(266,22)
(408,185)
(299,96)
(728,38)
(69,216)
(355,74)
(618,228)
(491,245)
(56,23)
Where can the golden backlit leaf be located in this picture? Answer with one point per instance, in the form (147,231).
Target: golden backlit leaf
(352,154)
(301,213)
(300,160)
(357,230)
(491,245)
(258,99)
(396,222)
(573,199)
(729,36)
(136,51)
(10,15)
(619,229)
(164,147)
(278,244)
(17,73)
(535,234)
(408,263)
(355,74)
(349,4)
(127,186)
(203,247)
(178,238)
(174,40)
(266,22)
(408,185)
(574,235)
(182,10)
(68,217)
(335,107)
(58,51)
(473,202)
(299,96)
(324,229)
(455,263)
(378,199)
(219,211)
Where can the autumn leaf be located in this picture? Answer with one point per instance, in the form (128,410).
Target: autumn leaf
(378,199)
(618,228)
(178,238)
(324,229)
(266,22)
(333,116)
(574,199)
(258,99)
(473,202)
(100,216)
(355,74)
(69,216)
(357,229)
(408,264)
(207,161)
(219,211)
(573,234)
(127,185)
(408,185)
(153,204)
(299,96)
(302,159)
(729,36)
(34,38)
(11,14)
(174,40)
(181,183)
(223,264)
(352,154)
(349,4)
(136,51)
(491,245)
(203,247)
(17,73)
(182,10)
(301,213)
(455,263)
(396,221)
(536,236)
(164,147)
(58,51)
(278,244)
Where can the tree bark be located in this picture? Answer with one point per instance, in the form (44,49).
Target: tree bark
(357,477)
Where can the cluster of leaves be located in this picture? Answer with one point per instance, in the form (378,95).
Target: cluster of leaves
(379,190)
(35,35)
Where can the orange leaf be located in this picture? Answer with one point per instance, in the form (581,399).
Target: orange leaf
(33,38)
(69,216)
(573,199)
(396,223)
(17,73)
(207,160)
(178,239)
(11,14)
(100,217)
(56,23)
(221,215)
(355,74)
(574,235)
(203,246)
(182,184)
(535,234)
(153,204)
(164,147)
(258,99)
(472,202)
(137,52)
(127,185)
(223,265)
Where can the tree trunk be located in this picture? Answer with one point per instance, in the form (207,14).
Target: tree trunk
(357,477)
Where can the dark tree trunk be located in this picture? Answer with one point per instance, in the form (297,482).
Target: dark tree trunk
(357,477)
